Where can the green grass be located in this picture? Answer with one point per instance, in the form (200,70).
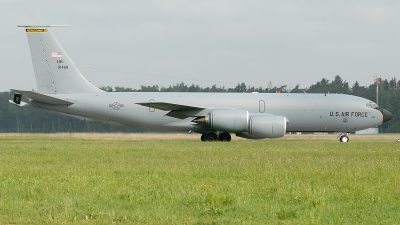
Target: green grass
(55,180)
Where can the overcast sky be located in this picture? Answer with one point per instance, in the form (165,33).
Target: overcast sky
(133,43)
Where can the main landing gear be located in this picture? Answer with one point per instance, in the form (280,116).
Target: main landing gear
(211,136)
(344,138)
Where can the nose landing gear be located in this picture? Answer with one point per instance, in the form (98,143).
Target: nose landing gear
(344,138)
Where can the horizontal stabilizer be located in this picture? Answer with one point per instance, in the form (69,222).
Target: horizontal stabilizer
(43,25)
(44,98)
(168,106)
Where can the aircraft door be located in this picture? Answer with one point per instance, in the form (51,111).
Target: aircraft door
(261,106)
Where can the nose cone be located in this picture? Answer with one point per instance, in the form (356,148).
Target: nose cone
(386,115)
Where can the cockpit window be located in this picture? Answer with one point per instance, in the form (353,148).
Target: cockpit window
(372,105)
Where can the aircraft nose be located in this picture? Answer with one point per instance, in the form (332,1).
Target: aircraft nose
(386,115)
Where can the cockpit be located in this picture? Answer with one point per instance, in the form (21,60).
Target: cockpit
(372,105)
(386,114)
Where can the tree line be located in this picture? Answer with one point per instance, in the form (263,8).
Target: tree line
(15,120)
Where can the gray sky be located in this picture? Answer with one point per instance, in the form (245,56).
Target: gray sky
(133,43)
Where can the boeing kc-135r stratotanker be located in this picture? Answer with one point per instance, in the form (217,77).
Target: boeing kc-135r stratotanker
(63,89)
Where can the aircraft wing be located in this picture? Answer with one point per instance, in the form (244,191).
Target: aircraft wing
(43,98)
(176,110)
(169,106)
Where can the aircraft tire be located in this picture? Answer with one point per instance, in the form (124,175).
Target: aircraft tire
(203,137)
(211,136)
(344,139)
(225,137)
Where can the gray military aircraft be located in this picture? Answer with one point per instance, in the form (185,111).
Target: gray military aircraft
(63,89)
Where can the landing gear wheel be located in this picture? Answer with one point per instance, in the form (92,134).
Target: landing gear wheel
(211,136)
(225,137)
(203,137)
(344,138)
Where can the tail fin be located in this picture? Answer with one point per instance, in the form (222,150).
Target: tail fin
(54,70)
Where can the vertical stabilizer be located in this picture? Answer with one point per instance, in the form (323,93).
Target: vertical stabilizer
(55,72)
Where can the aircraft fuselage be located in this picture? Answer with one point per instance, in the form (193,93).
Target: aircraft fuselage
(304,112)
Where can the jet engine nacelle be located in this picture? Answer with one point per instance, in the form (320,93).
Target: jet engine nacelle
(230,120)
(238,121)
(267,126)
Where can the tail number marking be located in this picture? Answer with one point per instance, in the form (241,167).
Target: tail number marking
(61,67)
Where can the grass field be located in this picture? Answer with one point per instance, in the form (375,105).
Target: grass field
(176,179)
